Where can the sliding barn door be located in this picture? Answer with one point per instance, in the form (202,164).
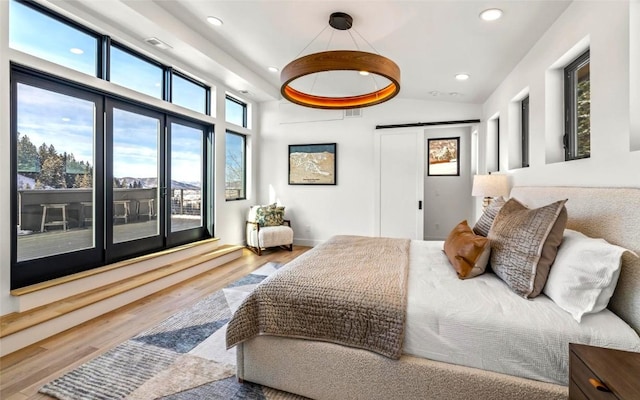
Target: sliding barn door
(399,158)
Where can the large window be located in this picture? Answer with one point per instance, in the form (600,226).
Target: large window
(52,38)
(235,167)
(577,95)
(99,178)
(524,130)
(236,111)
(75,209)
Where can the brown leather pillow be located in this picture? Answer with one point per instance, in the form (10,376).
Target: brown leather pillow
(467,252)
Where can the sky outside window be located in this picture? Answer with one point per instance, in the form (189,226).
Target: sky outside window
(187,94)
(134,73)
(42,36)
(56,119)
(135,145)
(235,112)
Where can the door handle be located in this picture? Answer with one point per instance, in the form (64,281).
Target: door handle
(419,204)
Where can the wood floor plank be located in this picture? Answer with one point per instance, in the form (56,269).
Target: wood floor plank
(23,372)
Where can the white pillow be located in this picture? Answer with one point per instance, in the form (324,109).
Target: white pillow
(584,274)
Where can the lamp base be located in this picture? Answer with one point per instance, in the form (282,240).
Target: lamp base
(485,202)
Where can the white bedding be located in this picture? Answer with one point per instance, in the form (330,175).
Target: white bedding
(481,323)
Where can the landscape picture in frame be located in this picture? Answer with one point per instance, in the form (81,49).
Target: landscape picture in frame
(444,157)
(312,164)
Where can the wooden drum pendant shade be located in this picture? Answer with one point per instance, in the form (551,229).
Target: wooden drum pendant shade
(340,60)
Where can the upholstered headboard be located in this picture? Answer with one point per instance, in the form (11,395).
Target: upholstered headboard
(609,213)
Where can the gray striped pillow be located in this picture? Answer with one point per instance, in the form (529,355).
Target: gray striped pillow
(483,225)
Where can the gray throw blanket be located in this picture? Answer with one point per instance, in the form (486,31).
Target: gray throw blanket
(350,290)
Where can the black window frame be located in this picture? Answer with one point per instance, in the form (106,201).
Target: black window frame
(206,230)
(570,137)
(103,58)
(244,109)
(524,131)
(244,167)
(38,270)
(123,250)
(34,271)
(498,144)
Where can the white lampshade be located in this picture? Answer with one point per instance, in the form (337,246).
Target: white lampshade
(490,185)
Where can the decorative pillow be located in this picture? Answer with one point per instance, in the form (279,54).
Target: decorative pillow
(524,243)
(485,221)
(584,274)
(270,215)
(468,253)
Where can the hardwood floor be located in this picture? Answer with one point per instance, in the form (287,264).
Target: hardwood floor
(23,372)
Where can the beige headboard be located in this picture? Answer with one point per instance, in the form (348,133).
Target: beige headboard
(609,213)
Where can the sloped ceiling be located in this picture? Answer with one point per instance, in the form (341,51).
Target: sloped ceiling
(431,41)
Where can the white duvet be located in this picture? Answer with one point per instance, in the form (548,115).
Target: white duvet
(481,323)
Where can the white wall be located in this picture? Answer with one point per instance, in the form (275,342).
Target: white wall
(447,199)
(348,207)
(605,27)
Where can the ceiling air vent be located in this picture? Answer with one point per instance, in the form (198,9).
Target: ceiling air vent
(154,41)
(353,113)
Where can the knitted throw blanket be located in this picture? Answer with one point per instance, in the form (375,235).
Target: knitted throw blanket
(350,290)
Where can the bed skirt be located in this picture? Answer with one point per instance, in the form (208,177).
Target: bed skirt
(320,371)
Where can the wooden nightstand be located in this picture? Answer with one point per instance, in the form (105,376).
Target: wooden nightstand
(600,373)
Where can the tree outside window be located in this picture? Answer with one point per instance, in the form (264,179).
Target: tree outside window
(235,168)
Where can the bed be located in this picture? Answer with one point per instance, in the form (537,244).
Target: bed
(322,370)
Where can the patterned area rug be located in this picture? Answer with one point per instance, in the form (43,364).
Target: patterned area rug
(183,357)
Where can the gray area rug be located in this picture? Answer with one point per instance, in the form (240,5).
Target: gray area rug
(183,357)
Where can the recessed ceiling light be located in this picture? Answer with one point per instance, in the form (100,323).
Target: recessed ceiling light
(364,73)
(462,77)
(215,21)
(491,14)
(66,119)
(273,69)
(76,50)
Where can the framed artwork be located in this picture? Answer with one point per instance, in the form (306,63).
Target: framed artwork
(443,157)
(312,164)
